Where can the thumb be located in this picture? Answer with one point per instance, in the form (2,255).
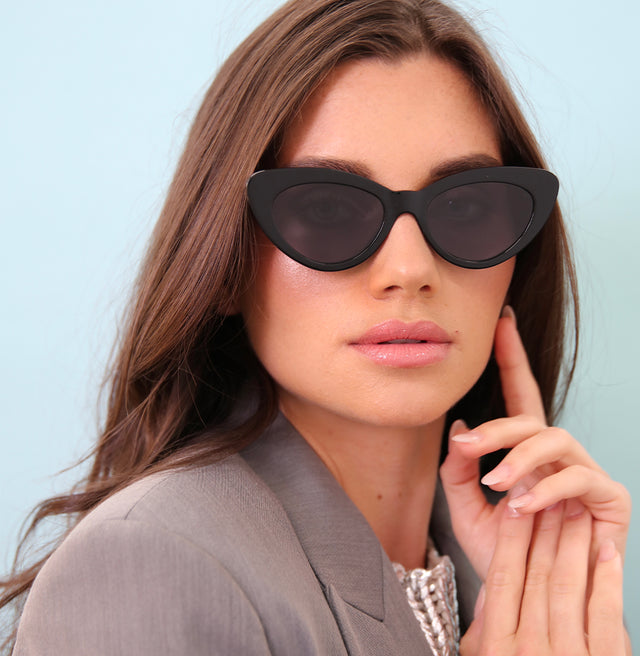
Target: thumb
(460,477)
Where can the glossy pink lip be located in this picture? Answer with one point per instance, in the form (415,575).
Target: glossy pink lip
(398,344)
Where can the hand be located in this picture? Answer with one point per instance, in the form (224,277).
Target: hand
(545,465)
(534,599)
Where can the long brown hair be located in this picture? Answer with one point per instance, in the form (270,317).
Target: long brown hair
(183,358)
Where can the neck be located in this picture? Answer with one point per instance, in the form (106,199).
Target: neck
(389,473)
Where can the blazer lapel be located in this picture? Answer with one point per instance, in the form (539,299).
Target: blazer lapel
(358,579)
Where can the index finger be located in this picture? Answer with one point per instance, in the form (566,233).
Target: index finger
(505,582)
(519,388)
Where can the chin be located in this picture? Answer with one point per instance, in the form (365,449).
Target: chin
(404,417)
(389,412)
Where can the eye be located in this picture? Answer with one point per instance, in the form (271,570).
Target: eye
(326,221)
(326,205)
(479,221)
(469,203)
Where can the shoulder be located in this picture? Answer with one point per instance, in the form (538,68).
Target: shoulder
(199,504)
(174,563)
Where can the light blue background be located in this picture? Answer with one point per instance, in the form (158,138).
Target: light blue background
(96,100)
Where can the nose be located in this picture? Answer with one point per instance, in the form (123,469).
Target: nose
(405,263)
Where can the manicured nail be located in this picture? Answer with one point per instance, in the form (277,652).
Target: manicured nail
(508,313)
(607,552)
(497,475)
(458,426)
(513,512)
(573,508)
(519,495)
(466,438)
(479,602)
(520,501)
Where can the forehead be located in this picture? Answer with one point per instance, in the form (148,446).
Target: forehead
(395,118)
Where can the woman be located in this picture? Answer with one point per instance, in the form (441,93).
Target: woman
(269,464)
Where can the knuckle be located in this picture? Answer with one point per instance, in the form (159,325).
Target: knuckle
(565,588)
(499,579)
(580,470)
(547,524)
(625,496)
(560,437)
(529,648)
(537,577)
(561,433)
(568,648)
(607,614)
(493,650)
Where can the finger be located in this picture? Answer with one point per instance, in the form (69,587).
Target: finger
(551,446)
(475,521)
(471,640)
(501,433)
(534,614)
(569,578)
(460,478)
(519,387)
(605,625)
(607,500)
(505,580)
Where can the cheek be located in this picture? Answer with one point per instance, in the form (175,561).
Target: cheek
(486,291)
(284,304)
(479,298)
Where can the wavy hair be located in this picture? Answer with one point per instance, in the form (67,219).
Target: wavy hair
(183,358)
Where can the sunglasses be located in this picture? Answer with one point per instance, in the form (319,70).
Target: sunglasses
(332,220)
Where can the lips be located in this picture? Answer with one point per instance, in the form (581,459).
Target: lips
(398,344)
(398,331)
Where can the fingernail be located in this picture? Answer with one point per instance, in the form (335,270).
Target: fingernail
(497,475)
(520,501)
(466,438)
(519,496)
(518,490)
(508,313)
(512,512)
(479,602)
(458,426)
(607,552)
(573,508)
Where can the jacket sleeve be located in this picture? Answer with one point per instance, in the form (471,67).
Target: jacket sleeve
(126,587)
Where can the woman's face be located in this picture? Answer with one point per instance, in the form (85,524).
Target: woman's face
(402,124)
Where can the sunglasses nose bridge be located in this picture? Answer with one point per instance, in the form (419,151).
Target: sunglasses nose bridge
(408,202)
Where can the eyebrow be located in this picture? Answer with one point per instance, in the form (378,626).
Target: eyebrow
(461,164)
(442,170)
(344,165)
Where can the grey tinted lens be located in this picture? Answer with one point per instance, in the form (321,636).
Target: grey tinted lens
(480,220)
(327,222)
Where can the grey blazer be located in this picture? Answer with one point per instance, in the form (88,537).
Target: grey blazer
(262,553)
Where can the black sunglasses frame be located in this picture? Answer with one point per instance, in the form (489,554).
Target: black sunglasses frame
(264,186)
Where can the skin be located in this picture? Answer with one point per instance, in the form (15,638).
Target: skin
(378,428)
(553,566)
(302,322)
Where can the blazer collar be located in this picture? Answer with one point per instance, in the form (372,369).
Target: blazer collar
(341,547)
